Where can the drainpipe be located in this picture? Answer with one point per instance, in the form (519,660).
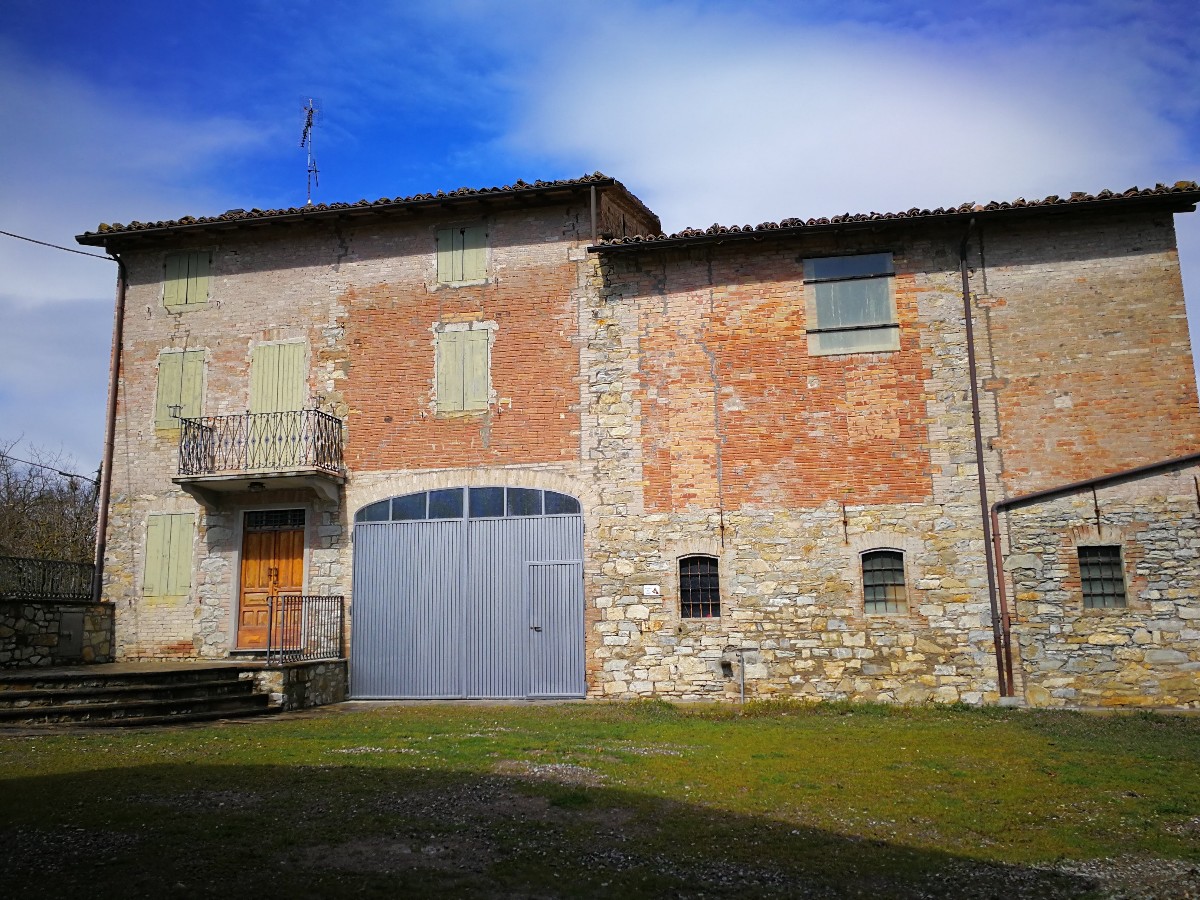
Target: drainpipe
(1005,618)
(110,428)
(593,199)
(1003,680)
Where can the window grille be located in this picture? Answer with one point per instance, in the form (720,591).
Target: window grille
(884,589)
(699,588)
(1102,577)
(274,519)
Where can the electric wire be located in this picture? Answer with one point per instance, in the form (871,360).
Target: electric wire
(21,237)
(28,462)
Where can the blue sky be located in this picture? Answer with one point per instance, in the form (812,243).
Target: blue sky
(738,112)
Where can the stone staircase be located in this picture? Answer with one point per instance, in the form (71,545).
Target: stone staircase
(130,694)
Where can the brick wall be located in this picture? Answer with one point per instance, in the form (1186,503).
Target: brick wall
(530,302)
(1093,365)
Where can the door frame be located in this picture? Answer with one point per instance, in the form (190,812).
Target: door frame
(579,639)
(362,660)
(239,538)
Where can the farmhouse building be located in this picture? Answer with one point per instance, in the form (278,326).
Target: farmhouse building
(531,447)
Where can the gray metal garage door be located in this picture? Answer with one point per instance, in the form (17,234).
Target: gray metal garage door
(468,592)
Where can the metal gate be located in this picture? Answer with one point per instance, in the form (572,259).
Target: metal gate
(468,593)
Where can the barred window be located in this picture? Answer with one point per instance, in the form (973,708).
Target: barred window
(274,519)
(699,588)
(1102,577)
(884,589)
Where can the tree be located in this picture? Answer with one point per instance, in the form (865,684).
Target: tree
(45,511)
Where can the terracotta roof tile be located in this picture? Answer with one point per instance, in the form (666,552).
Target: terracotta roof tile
(240,215)
(1179,188)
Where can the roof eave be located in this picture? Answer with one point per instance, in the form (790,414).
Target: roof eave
(537,193)
(1175,203)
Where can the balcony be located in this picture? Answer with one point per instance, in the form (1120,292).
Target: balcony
(297,449)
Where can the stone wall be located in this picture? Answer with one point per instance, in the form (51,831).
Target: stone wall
(300,685)
(55,633)
(716,432)
(1145,654)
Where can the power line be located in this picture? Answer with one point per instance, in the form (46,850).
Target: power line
(50,469)
(21,237)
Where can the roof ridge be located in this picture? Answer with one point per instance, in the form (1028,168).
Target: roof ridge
(1179,187)
(241,215)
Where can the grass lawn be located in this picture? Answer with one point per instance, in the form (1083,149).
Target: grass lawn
(598,800)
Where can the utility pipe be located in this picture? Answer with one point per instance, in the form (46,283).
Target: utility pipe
(593,198)
(1002,669)
(1005,617)
(110,428)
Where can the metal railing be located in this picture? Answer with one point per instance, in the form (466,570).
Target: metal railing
(261,442)
(305,627)
(44,579)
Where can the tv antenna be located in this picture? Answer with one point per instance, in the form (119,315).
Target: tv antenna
(311,114)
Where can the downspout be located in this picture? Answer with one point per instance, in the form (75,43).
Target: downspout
(1003,680)
(110,428)
(593,198)
(1005,618)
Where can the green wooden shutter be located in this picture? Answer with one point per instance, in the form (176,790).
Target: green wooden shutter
(170,387)
(192,387)
(168,569)
(278,381)
(175,274)
(475,370)
(185,277)
(474,265)
(180,383)
(179,562)
(158,546)
(450,347)
(445,255)
(199,265)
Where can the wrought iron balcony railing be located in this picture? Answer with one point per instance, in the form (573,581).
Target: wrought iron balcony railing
(261,443)
(44,579)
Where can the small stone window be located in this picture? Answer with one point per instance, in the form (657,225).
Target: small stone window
(699,588)
(884,590)
(1102,577)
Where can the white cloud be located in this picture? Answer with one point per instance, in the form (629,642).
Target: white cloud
(83,157)
(720,117)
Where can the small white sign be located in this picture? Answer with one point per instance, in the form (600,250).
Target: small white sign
(651,590)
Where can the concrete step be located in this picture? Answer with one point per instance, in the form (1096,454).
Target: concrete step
(140,711)
(122,693)
(130,694)
(113,676)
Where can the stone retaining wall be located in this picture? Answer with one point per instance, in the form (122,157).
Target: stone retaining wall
(55,632)
(303,684)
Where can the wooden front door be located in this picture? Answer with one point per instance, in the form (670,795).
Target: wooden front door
(272,564)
